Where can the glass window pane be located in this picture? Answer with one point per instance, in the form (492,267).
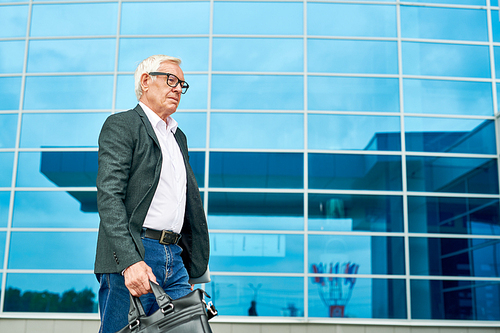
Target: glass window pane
(455,257)
(266,130)
(444,23)
(91,19)
(451,174)
(4,212)
(51,293)
(240,252)
(355,172)
(197,95)
(446,59)
(3,238)
(11,56)
(259,92)
(197,162)
(125,92)
(450,135)
(58,130)
(53,209)
(357,298)
(274,18)
(353,94)
(348,56)
(330,19)
(8,124)
(73,92)
(62,169)
(192,51)
(332,254)
(474,216)
(448,97)
(79,250)
(72,55)
(258,54)
(273,296)
(10,92)
(458,2)
(455,300)
(255,211)
(14,21)
(6,165)
(256,170)
(341,212)
(353,132)
(189,18)
(495,23)
(194,125)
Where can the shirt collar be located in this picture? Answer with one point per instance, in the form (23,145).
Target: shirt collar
(157,122)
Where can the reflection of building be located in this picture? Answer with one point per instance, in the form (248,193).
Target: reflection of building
(372,122)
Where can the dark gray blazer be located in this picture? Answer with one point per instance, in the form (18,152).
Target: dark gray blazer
(129,170)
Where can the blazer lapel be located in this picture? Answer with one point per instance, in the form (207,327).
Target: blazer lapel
(147,124)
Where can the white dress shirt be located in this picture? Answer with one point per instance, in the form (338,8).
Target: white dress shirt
(169,202)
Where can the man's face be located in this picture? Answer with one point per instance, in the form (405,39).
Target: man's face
(158,95)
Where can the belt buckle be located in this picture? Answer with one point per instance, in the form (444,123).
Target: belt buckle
(168,237)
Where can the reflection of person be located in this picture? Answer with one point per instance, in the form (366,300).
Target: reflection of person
(252,310)
(153,226)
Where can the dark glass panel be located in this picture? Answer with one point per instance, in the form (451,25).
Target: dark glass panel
(51,293)
(197,162)
(273,296)
(473,216)
(451,174)
(357,298)
(341,254)
(256,170)
(242,252)
(450,135)
(78,253)
(353,94)
(355,172)
(455,257)
(328,131)
(255,211)
(455,300)
(342,212)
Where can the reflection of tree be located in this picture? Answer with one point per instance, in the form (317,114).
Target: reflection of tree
(34,301)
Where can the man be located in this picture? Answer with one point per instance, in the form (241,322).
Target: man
(153,226)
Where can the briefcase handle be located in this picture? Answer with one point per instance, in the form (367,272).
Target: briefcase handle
(136,310)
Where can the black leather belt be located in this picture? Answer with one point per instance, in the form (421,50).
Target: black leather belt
(165,237)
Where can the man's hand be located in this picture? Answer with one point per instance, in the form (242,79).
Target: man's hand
(137,278)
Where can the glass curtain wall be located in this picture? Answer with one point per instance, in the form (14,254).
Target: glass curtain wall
(346,152)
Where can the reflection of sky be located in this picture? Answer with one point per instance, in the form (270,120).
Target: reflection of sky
(249,222)
(8,124)
(4,209)
(6,165)
(50,210)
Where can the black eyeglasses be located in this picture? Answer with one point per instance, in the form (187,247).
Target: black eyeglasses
(173,81)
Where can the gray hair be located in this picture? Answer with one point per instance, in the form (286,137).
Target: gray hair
(151,64)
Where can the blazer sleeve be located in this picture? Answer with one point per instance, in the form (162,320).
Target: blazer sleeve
(116,149)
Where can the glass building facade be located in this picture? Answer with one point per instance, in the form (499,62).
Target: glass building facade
(346,151)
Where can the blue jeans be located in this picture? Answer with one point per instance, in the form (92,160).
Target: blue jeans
(170,273)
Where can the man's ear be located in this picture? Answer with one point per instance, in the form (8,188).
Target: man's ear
(145,81)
